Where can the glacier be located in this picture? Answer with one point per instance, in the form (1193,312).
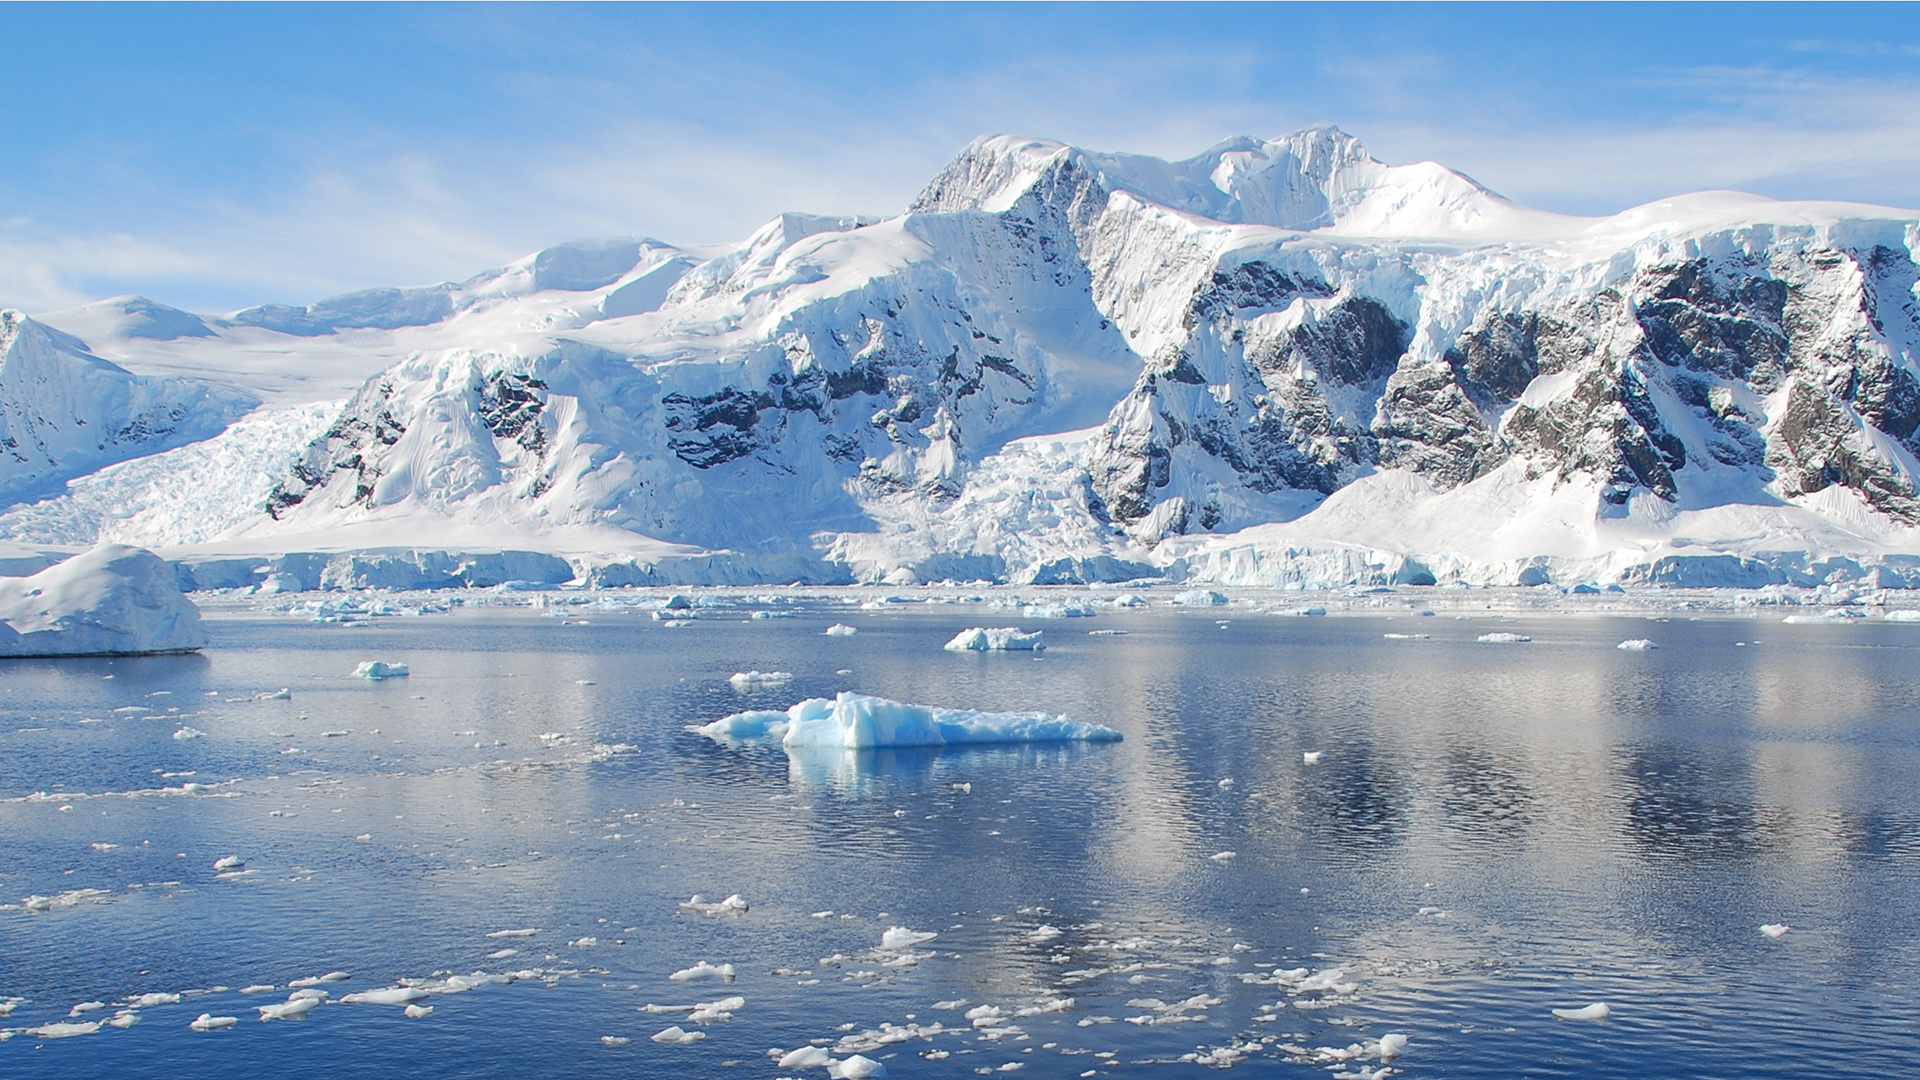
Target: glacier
(1280,363)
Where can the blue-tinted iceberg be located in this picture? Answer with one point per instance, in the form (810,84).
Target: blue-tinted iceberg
(856,721)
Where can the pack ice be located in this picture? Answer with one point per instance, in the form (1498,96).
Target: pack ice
(856,721)
(113,600)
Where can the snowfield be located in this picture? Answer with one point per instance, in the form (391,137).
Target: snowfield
(1280,363)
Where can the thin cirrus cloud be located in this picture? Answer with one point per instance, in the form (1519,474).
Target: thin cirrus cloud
(217,187)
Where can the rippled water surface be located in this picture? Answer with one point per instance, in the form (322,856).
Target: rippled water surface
(1494,831)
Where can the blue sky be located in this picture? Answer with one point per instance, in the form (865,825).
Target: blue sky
(223,155)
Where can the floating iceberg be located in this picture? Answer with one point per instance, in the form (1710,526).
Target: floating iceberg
(732,905)
(996,639)
(379,669)
(899,937)
(841,630)
(1056,611)
(1200,598)
(1638,644)
(1599,1010)
(1503,638)
(703,972)
(855,721)
(1774,930)
(210,1022)
(113,600)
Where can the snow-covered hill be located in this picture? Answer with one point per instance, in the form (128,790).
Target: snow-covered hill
(1277,362)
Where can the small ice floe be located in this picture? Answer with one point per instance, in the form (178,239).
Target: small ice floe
(714,1012)
(86,1007)
(397,995)
(258,988)
(502,954)
(498,934)
(741,680)
(703,972)
(282,694)
(1406,637)
(188,732)
(379,669)
(228,862)
(1638,644)
(1057,611)
(1903,615)
(855,721)
(103,846)
(583,943)
(1774,930)
(415,1012)
(1503,638)
(899,937)
(1599,1010)
(614,1040)
(210,1022)
(1224,857)
(143,1001)
(841,630)
(292,1009)
(1226,784)
(1312,757)
(857,1067)
(1044,933)
(674,1036)
(1300,612)
(732,905)
(807,1057)
(1107,633)
(63,1030)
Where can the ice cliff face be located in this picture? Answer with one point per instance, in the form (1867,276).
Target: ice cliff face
(1276,360)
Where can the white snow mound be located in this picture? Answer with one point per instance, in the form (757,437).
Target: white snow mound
(856,721)
(113,600)
(996,639)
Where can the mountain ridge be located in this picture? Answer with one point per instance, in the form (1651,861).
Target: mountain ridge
(1064,365)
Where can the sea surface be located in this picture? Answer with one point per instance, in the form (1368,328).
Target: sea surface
(1492,831)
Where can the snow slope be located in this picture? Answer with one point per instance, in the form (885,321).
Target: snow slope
(1278,362)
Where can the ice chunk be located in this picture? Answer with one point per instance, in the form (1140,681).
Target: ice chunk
(112,600)
(210,1022)
(64,1029)
(142,1001)
(1200,598)
(742,680)
(855,721)
(398,995)
(1056,611)
(1903,615)
(1638,644)
(282,694)
(498,934)
(806,1057)
(716,1011)
(996,639)
(899,937)
(1596,1011)
(188,732)
(257,988)
(415,1012)
(674,1036)
(841,630)
(703,972)
(295,1009)
(614,1040)
(1392,1046)
(732,905)
(1774,930)
(379,669)
(1224,856)
(1503,638)
(227,862)
(857,1067)
(1312,757)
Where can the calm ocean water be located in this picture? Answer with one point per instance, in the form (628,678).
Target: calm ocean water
(1494,831)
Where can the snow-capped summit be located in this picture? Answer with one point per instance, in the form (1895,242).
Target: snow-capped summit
(1279,361)
(1317,178)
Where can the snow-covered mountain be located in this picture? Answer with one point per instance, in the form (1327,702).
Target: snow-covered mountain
(1277,362)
